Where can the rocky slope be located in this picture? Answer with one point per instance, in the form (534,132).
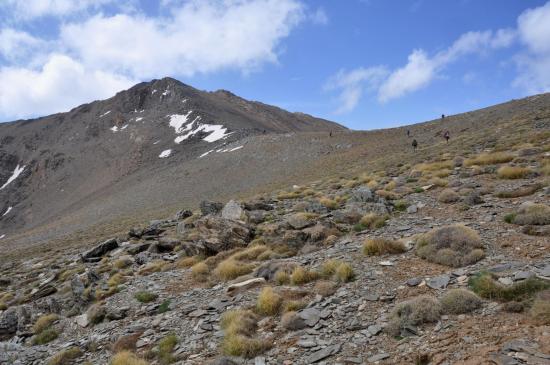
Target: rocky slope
(78,163)
(436,257)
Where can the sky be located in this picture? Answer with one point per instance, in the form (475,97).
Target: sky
(367,64)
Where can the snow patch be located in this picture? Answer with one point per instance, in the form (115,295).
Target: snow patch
(139,119)
(153,92)
(18,170)
(184,100)
(2,236)
(157,142)
(7,211)
(124,127)
(206,153)
(217,132)
(165,153)
(104,114)
(114,129)
(181,124)
(178,120)
(222,150)
(166,92)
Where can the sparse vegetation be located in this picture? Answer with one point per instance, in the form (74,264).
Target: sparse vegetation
(486,286)
(145,296)
(489,159)
(381,246)
(344,272)
(513,172)
(45,336)
(282,277)
(127,358)
(540,310)
(269,302)
(200,271)
(329,203)
(96,313)
(423,309)
(325,288)
(230,269)
(165,348)
(531,214)
(301,275)
(44,322)
(239,326)
(67,355)
(522,191)
(458,301)
(448,196)
(372,221)
(453,246)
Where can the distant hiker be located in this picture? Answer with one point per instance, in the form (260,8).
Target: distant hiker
(447,135)
(330,134)
(442,116)
(408,133)
(414,144)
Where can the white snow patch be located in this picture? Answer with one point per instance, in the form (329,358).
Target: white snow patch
(153,92)
(139,119)
(7,211)
(2,236)
(206,153)
(114,129)
(181,124)
(166,92)
(104,114)
(139,111)
(184,100)
(18,170)
(235,149)
(124,127)
(217,132)
(165,153)
(229,149)
(178,120)
(157,142)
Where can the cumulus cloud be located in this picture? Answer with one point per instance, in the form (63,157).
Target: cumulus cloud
(59,85)
(352,84)
(421,69)
(100,54)
(319,17)
(534,63)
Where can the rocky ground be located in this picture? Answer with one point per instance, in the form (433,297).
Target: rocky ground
(355,270)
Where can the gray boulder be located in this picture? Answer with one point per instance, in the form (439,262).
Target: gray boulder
(233,211)
(210,208)
(98,251)
(8,324)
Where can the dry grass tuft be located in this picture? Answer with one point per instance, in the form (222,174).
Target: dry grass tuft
(231,269)
(145,296)
(329,203)
(458,301)
(165,348)
(96,313)
(448,196)
(239,326)
(513,172)
(522,191)
(127,358)
(325,288)
(423,309)
(200,271)
(489,159)
(187,262)
(269,302)
(453,246)
(344,272)
(66,356)
(301,275)
(373,221)
(44,322)
(487,287)
(282,277)
(540,310)
(437,181)
(381,246)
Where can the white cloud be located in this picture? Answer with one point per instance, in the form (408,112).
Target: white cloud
(192,37)
(351,84)
(59,85)
(319,17)
(199,37)
(534,63)
(29,9)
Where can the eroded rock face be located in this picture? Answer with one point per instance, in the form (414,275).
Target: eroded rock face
(208,207)
(8,324)
(233,211)
(98,251)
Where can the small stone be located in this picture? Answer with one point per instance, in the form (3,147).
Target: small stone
(414,281)
(374,329)
(505,281)
(411,209)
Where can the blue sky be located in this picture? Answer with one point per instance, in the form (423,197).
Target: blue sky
(365,63)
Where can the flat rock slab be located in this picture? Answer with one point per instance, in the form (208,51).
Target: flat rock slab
(438,282)
(310,316)
(244,285)
(378,357)
(323,353)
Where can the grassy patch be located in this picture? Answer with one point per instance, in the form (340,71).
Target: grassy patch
(165,348)
(458,301)
(487,287)
(513,172)
(301,275)
(400,205)
(47,335)
(44,322)
(282,277)
(374,221)
(127,358)
(540,310)
(96,313)
(453,246)
(145,296)
(532,214)
(329,203)
(164,306)
(230,269)
(66,356)
(522,191)
(489,159)
(200,271)
(344,272)
(380,246)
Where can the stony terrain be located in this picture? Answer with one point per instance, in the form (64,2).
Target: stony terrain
(436,257)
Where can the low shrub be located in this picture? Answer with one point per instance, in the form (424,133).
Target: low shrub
(145,296)
(325,288)
(239,326)
(522,191)
(165,348)
(489,159)
(380,246)
(487,287)
(45,336)
(164,306)
(453,246)
(126,343)
(344,272)
(301,275)
(400,205)
(66,356)
(231,269)
(44,322)
(419,310)
(448,196)
(96,313)
(458,301)
(532,214)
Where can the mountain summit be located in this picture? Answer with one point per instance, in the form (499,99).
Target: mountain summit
(55,165)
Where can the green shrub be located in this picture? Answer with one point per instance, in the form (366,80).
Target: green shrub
(422,309)
(380,246)
(487,287)
(458,301)
(45,336)
(145,296)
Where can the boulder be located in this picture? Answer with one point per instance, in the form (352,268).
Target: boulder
(43,291)
(182,214)
(98,251)
(233,211)
(300,221)
(219,234)
(137,248)
(8,324)
(362,194)
(244,285)
(257,216)
(210,208)
(258,205)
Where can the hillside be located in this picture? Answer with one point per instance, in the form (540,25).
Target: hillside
(300,248)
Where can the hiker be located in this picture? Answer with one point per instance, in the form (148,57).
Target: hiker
(408,133)
(447,135)
(330,134)
(414,144)
(442,116)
